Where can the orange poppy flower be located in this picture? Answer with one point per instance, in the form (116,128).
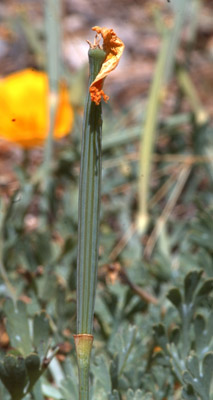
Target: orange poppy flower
(24,111)
(113,46)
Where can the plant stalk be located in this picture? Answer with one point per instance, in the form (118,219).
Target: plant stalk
(148,136)
(191,93)
(88,228)
(52,24)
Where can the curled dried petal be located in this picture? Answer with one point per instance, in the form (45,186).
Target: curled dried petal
(113,46)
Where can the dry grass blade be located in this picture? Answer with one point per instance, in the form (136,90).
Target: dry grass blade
(170,158)
(162,191)
(184,174)
(122,242)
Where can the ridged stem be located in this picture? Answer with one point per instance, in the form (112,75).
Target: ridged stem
(89,204)
(88,228)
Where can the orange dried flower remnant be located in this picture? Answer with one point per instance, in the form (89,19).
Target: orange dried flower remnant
(24,114)
(113,46)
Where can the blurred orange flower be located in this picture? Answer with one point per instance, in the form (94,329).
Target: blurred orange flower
(114,47)
(24,111)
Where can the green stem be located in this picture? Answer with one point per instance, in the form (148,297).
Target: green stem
(88,228)
(148,136)
(191,93)
(3,272)
(52,22)
(89,204)
(175,37)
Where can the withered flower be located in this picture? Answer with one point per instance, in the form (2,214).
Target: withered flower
(113,46)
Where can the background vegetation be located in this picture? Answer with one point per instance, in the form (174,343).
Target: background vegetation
(153,314)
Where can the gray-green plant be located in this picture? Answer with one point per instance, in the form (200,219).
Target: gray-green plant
(21,368)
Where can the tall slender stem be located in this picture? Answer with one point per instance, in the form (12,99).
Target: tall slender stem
(89,204)
(52,23)
(148,136)
(88,233)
